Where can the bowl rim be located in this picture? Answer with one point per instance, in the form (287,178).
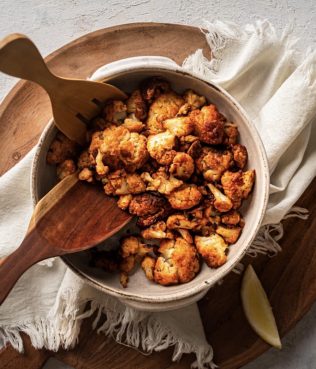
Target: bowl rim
(224,269)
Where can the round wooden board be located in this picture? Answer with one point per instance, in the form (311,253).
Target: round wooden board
(289,278)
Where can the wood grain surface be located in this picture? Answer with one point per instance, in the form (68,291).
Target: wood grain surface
(289,278)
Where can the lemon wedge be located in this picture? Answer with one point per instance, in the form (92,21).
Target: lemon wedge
(257,308)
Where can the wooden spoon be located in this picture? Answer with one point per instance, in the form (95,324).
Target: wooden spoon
(72,217)
(74,102)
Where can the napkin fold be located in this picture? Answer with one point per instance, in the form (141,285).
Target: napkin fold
(276,85)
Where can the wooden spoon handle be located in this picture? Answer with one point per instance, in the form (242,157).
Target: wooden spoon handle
(20,58)
(31,250)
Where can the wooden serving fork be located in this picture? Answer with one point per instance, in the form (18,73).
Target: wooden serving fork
(74,102)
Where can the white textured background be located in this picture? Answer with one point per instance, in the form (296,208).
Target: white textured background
(52,23)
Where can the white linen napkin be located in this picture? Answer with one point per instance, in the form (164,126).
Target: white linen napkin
(277,86)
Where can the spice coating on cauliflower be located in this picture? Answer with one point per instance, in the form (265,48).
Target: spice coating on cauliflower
(238,185)
(208,125)
(65,169)
(179,126)
(122,183)
(123,149)
(115,111)
(182,166)
(137,105)
(213,163)
(164,107)
(185,197)
(61,149)
(178,263)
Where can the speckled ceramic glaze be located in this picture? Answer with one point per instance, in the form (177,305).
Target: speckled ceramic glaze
(141,293)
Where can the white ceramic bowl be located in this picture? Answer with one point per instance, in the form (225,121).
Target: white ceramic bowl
(142,294)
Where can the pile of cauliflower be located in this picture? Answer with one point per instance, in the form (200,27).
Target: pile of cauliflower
(174,162)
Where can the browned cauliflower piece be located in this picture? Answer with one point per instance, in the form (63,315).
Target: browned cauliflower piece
(148,266)
(222,203)
(95,144)
(164,107)
(182,166)
(124,201)
(181,221)
(84,160)
(132,251)
(146,204)
(121,148)
(137,105)
(178,262)
(212,249)
(213,163)
(231,218)
(185,197)
(122,183)
(179,126)
(61,149)
(230,234)
(101,169)
(208,125)
(152,88)
(194,149)
(161,181)
(65,169)
(86,174)
(186,235)
(156,231)
(240,155)
(133,124)
(115,111)
(212,215)
(238,185)
(231,133)
(192,102)
(160,147)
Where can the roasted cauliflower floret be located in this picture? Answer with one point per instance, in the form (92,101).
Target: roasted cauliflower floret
(208,125)
(192,102)
(178,262)
(230,234)
(240,155)
(86,174)
(115,111)
(61,149)
(132,251)
(100,168)
(148,266)
(164,107)
(124,201)
(121,148)
(84,160)
(160,147)
(161,182)
(212,249)
(238,185)
(156,231)
(186,235)
(181,221)
(133,124)
(231,133)
(66,168)
(194,149)
(185,197)
(179,126)
(146,204)
(122,183)
(231,218)
(213,163)
(137,105)
(222,203)
(182,166)
(152,88)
